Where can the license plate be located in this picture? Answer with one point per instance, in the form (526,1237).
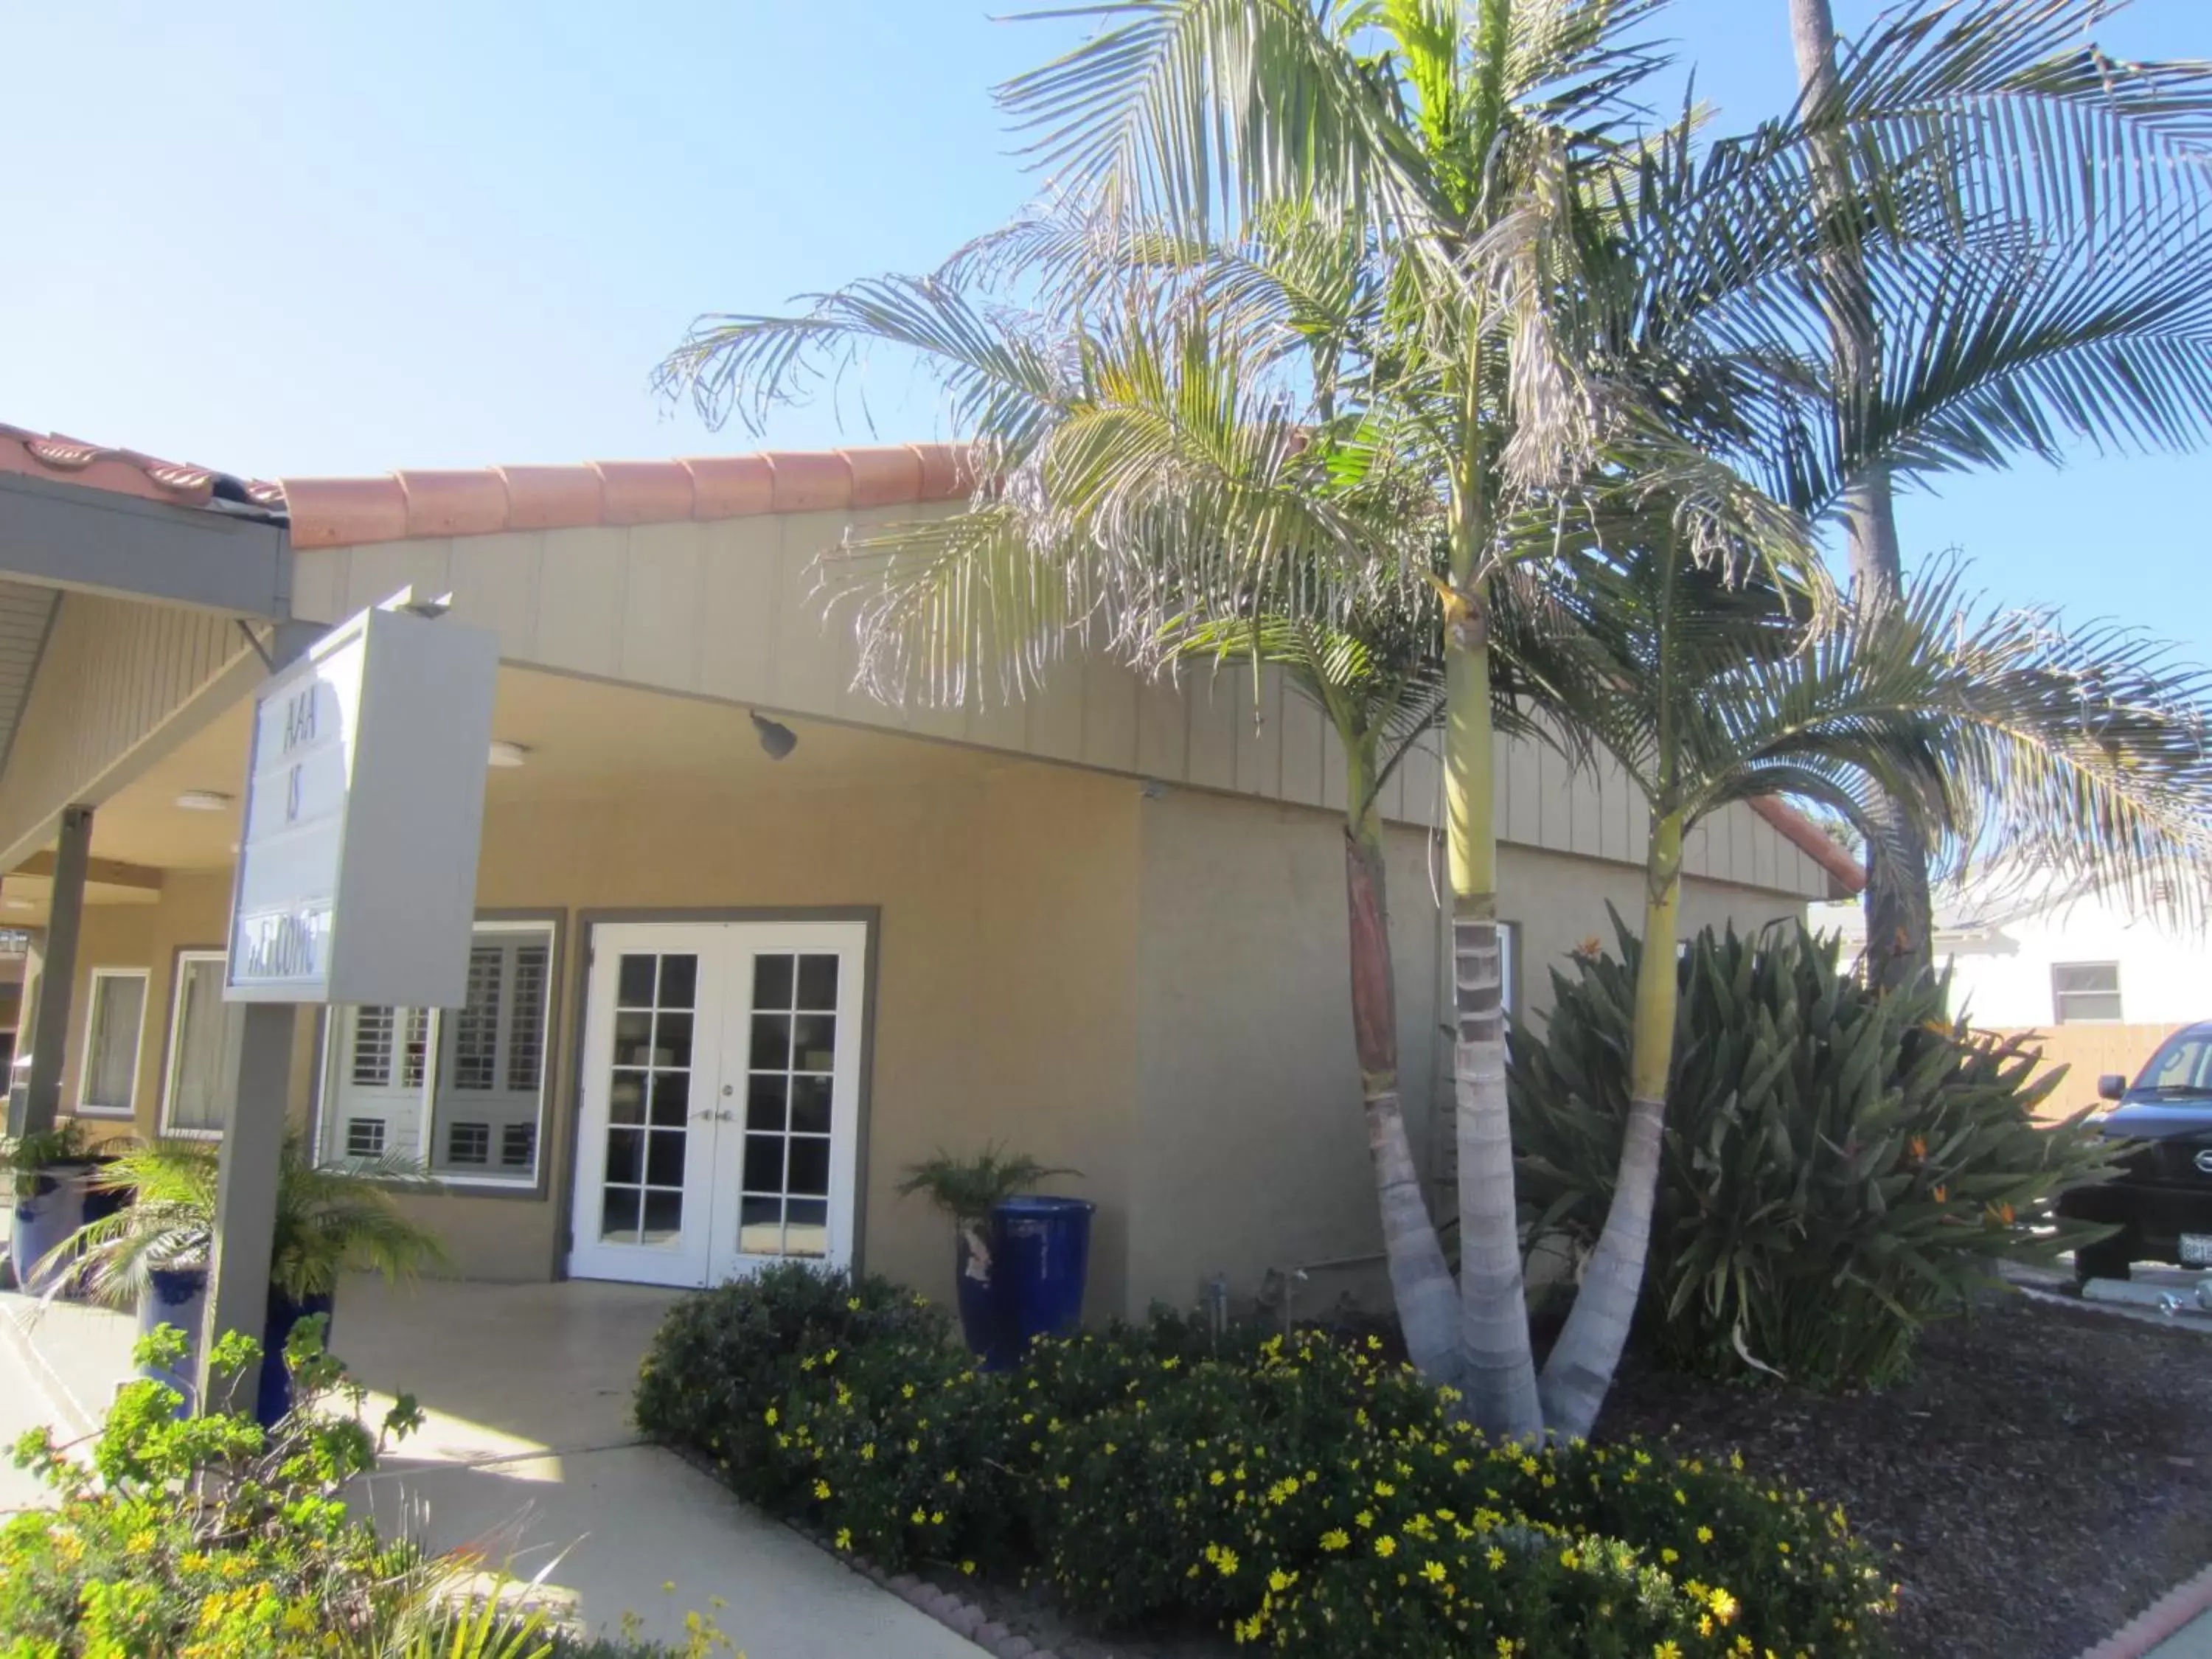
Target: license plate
(2197,1249)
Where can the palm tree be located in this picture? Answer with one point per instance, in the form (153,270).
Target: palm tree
(2094,322)
(1480,158)
(2085,754)
(1157,400)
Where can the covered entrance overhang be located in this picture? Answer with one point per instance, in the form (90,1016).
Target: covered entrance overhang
(112,554)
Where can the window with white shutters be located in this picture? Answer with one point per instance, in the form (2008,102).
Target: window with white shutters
(461,1090)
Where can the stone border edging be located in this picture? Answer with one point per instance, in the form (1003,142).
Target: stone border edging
(2166,1617)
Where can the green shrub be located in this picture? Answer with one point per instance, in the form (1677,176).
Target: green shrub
(1278,1489)
(1840,1166)
(209,1538)
(202,1536)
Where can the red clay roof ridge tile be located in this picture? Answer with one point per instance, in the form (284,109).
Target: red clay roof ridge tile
(128,472)
(1813,842)
(410,503)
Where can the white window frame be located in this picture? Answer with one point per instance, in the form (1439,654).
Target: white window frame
(2058,998)
(175,1055)
(85,1107)
(1509,968)
(329,1132)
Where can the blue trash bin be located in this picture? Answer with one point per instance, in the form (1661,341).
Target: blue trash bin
(1041,1251)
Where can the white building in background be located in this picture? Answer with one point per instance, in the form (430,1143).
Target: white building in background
(2099,982)
(2022,958)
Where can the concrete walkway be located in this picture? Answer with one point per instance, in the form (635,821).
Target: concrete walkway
(528,1455)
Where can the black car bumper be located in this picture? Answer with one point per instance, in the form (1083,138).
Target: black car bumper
(2152,1218)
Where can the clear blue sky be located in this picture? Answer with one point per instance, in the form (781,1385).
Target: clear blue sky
(344,237)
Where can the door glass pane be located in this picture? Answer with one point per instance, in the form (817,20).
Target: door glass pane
(649,1099)
(785,1173)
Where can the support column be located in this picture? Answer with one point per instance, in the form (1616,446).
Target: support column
(42,1099)
(252,1150)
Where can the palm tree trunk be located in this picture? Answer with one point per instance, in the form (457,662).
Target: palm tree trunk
(1899,912)
(1579,1373)
(1501,1369)
(1420,1282)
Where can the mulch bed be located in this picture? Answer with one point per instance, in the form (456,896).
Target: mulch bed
(2043,1475)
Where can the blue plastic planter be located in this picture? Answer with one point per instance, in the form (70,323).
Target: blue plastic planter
(1042,1255)
(48,1214)
(175,1296)
(274,1398)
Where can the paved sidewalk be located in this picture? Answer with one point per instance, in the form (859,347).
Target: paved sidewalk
(528,1453)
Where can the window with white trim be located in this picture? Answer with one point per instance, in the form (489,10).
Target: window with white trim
(205,1034)
(460,1090)
(2083,992)
(114,1027)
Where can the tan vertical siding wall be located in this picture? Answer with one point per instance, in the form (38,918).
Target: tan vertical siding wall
(114,672)
(1252,1144)
(729,611)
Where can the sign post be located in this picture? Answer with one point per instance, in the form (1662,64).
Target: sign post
(355,882)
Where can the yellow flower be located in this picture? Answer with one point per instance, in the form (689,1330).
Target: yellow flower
(1384,1489)
(768,1417)
(1215,1478)
(868,1452)
(1497,1559)
(1667,1649)
(968,1567)
(822,1489)
(1335,1539)
(1386,1547)
(1434,1572)
(1704,1534)
(844,1537)
(1723,1605)
(1278,1581)
(1668,1556)
(853,1302)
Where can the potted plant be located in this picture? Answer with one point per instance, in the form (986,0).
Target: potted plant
(46,1167)
(330,1220)
(966,1189)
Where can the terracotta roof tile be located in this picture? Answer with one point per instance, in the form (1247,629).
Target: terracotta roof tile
(885,476)
(810,481)
(553,497)
(127,472)
(1843,869)
(469,502)
(647,492)
(731,486)
(342,511)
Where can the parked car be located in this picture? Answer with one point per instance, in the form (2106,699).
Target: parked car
(2161,1200)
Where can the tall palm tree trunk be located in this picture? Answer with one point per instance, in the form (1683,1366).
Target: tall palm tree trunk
(1898,913)
(1579,1372)
(1420,1281)
(1501,1367)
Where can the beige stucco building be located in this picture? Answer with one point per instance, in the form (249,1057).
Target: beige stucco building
(719,1002)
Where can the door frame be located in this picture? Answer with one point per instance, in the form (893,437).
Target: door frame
(588,923)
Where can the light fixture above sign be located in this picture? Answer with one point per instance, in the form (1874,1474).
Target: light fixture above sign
(205,800)
(504,753)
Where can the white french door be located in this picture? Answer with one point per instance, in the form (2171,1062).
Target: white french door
(719,1131)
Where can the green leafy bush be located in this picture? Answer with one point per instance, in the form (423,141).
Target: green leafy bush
(211,1538)
(1840,1166)
(1291,1492)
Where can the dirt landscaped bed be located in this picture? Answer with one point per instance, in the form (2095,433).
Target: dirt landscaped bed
(2043,1475)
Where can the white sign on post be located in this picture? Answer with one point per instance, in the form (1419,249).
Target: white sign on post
(364,815)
